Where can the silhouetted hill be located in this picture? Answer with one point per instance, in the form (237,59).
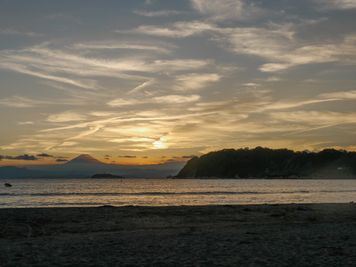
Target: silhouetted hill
(16,172)
(271,163)
(84,159)
(83,166)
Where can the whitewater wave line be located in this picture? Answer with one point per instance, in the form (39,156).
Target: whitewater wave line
(174,193)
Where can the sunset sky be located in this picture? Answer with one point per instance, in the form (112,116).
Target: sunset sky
(140,82)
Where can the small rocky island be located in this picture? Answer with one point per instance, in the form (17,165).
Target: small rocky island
(106,176)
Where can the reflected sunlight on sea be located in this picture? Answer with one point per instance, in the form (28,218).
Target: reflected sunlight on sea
(170,192)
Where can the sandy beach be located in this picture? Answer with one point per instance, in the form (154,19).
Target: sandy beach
(261,235)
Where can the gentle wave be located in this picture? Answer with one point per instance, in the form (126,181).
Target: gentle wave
(175,193)
(60,204)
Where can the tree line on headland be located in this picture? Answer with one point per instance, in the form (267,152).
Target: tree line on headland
(271,163)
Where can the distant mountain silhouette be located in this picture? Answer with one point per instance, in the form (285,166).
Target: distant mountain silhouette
(271,163)
(84,159)
(85,166)
(17,172)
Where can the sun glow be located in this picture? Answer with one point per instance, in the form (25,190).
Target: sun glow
(159,144)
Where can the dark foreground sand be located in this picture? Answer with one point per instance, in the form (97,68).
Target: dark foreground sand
(264,235)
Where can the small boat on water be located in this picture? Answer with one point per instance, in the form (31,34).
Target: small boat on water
(7,185)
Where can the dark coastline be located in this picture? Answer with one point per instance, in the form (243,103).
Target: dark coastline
(272,163)
(255,235)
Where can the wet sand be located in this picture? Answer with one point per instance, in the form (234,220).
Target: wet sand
(261,235)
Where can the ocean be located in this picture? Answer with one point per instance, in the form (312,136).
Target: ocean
(170,192)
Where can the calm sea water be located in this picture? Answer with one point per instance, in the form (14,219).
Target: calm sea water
(165,192)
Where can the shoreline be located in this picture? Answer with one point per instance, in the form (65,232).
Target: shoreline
(34,208)
(180,178)
(238,235)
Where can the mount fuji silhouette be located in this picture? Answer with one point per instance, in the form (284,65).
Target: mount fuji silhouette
(85,159)
(85,166)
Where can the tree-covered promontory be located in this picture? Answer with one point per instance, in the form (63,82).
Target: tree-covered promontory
(271,163)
